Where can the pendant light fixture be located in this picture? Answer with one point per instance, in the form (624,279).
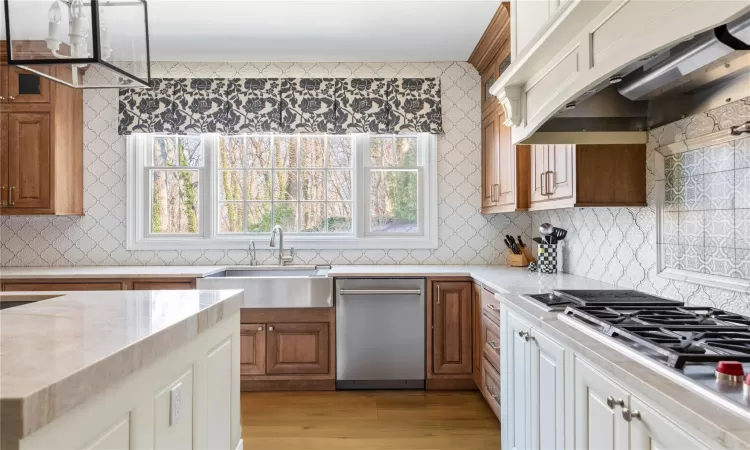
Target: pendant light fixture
(84,44)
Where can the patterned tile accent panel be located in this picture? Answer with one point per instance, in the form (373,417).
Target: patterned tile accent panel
(707,209)
(618,245)
(98,238)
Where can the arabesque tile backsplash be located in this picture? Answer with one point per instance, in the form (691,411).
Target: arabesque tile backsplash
(615,245)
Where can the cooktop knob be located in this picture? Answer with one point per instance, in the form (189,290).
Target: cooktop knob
(730,371)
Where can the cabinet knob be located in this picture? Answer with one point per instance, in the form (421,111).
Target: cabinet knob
(11,98)
(525,335)
(629,415)
(260,328)
(2,98)
(611,402)
(270,328)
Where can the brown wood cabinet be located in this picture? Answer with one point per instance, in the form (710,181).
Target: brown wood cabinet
(297,348)
(29,160)
(287,349)
(98,284)
(476,317)
(252,349)
(41,143)
(451,328)
(163,285)
(64,286)
(491,340)
(588,175)
(491,386)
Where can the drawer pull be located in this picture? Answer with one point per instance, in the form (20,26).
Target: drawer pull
(629,415)
(611,402)
(494,345)
(493,307)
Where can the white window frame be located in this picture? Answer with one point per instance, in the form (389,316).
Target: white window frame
(138,204)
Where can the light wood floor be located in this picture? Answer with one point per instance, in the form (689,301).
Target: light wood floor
(393,420)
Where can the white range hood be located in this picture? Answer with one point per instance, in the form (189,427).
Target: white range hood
(607,71)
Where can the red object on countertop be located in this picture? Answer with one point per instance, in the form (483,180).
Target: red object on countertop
(747,379)
(732,368)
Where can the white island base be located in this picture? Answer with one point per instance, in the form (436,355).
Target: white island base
(178,389)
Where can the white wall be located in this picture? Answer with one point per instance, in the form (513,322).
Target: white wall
(98,238)
(618,245)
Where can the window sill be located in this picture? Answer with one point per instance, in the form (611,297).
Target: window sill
(298,242)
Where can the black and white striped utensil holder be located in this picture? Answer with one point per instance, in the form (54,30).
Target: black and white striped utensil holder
(547,259)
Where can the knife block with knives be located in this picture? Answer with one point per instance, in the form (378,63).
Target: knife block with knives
(519,253)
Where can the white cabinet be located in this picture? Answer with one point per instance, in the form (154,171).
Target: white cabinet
(653,431)
(173,414)
(606,415)
(552,176)
(219,396)
(533,412)
(115,438)
(529,20)
(547,389)
(597,418)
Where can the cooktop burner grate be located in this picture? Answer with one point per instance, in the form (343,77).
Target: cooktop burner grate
(680,334)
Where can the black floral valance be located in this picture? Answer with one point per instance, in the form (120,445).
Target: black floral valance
(286,105)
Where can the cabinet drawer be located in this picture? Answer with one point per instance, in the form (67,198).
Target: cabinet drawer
(490,305)
(491,386)
(162,285)
(491,341)
(84,286)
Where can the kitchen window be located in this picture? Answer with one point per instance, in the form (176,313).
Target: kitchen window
(325,191)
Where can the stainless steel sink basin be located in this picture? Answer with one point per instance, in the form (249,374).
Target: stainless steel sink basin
(267,273)
(276,287)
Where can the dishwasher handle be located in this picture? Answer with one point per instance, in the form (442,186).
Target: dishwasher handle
(380,291)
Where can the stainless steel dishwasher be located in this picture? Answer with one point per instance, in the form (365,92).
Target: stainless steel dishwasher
(380,333)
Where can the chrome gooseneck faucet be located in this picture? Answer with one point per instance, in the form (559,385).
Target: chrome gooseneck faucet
(283,260)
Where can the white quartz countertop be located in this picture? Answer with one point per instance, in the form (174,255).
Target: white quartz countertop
(499,278)
(81,272)
(57,353)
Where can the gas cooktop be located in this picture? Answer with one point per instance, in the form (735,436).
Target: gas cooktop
(562,298)
(707,345)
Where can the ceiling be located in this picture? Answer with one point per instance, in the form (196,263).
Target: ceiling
(313,30)
(302,30)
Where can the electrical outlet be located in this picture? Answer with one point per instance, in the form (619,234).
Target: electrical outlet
(175,404)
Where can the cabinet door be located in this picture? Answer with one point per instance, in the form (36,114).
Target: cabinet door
(517,419)
(539,165)
(489,101)
(547,388)
(476,318)
(3,160)
(561,161)
(27,87)
(655,432)
(297,348)
(506,191)
(252,349)
(596,424)
(29,160)
(491,386)
(490,156)
(451,323)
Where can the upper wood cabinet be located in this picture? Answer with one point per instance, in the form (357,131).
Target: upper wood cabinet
(29,160)
(505,168)
(452,327)
(24,86)
(41,143)
(587,175)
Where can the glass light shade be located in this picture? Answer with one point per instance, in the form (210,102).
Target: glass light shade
(81,43)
